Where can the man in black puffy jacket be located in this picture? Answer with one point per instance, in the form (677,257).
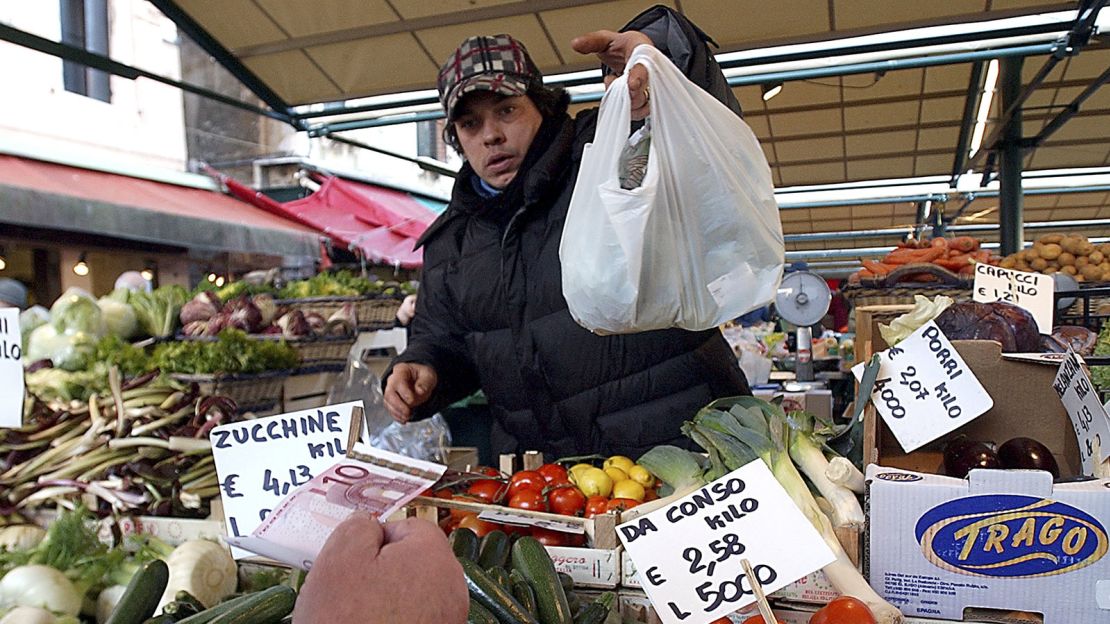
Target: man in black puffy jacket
(491,313)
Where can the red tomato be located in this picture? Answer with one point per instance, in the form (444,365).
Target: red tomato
(486,470)
(620,504)
(553,473)
(650,494)
(479,526)
(489,490)
(843,610)
(596,505)
(459,514)
(526,480)
(755,619)
(528,499)
(547,537)
(566,500)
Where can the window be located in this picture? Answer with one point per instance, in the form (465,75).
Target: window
(85,25)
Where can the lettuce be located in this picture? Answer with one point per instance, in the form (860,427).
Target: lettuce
(924,311)
(76,311)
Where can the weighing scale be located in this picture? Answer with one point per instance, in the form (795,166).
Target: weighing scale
(802,300)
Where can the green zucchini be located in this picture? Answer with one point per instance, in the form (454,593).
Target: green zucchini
(493,596)
(185,597)
(574,601)
(211,613)
(596,611)
(523,593)
(499,576)
(477,614)
(531,558)
(268,605)
(494,550)
(567,581)
(143,593)
(464,543)
(160,619)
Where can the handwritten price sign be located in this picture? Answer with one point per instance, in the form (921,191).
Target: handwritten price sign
(1088,416)
(1031,291)
(260,461)
(690,553)
(11,369)
(924,389)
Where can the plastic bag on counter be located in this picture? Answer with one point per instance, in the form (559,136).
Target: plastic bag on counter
(426,439)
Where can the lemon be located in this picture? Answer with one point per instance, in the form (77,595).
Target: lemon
(594,482)
(619,461)
(576,470)
(629,489)
(616,474)
(640,475)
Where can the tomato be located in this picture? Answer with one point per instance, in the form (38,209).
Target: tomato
(553,473)
(526,480)
(547,537)
(479,526)
(620,504)
(459,514)
(489,490)
(528,499)
(843,610)
(566,500)
(724,620)
(487,471)
(650,494)
(596,505)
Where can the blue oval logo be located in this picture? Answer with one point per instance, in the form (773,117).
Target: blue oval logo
(898,476)
(1003,535)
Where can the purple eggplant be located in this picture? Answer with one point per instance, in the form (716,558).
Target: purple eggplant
(1028,454)
(961,455)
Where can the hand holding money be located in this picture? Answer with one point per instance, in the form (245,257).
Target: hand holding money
(367,572)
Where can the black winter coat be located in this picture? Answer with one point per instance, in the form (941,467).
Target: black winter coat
(491,313)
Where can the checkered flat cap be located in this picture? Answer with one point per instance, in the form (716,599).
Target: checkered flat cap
(499,63)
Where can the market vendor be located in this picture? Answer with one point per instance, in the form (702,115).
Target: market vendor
(491,313)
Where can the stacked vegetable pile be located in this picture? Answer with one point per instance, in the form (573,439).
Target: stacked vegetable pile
(66,572)
(342,284)
(585,490)
(207,315)
(1057,253)
(738,430)
(141,448)
(957,255)
(513,581)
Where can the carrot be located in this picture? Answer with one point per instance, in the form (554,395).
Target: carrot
(965,243)
(939,242)
(876,268)
(909,256)
(967,270)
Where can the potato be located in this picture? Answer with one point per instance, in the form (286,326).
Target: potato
(1083,248)
(1054,264)
(1030,254)
(1040,264)
(1081,261)
(1091,273)
(1096,257)
(1050,251)
(1050,238)
(1022,265)
(1069,269)
(1105,266)
(1105,249)
(1008,262)
(1071,244)
(1066,258)
(1050,270)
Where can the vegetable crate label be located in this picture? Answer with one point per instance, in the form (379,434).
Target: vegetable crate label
(924,389)
(690,553)
(1031,291)
(1088,416)
(260,461)
(11,369)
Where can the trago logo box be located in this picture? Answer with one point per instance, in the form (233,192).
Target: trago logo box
(1009,540)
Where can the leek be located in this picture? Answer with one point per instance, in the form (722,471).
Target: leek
(806,441)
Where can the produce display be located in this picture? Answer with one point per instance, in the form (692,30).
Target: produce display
(67,575)
(342,284)
(961,455)
(207,315)
(957,255)
(1058,253)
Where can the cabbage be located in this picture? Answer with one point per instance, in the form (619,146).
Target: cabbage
(76,311)
(119,318)
(31,319)
(924,310)
(72,351)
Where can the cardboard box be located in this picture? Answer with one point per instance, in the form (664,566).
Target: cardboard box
(635,606)
(1000,539)
(1024,405)
(589,567)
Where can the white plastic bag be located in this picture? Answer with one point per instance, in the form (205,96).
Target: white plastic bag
(698,243)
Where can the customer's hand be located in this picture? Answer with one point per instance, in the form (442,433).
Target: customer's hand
(374,573)
(408,387)
(614,49)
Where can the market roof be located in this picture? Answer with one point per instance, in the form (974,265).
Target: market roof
(61,197)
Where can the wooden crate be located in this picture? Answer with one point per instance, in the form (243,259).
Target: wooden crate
(868,338)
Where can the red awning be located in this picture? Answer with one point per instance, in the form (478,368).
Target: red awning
(380,223)
(50,195)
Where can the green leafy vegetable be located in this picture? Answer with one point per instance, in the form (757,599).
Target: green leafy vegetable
(1100,375)
(231,352)
(76,311)
(157,311)
(131,360)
